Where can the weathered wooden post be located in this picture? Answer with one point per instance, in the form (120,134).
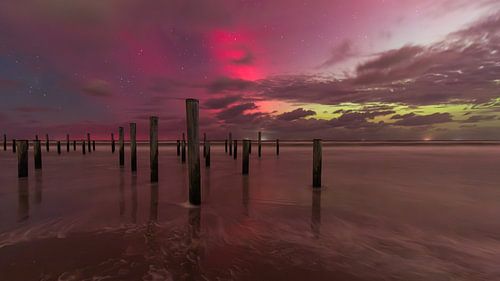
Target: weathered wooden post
(93,145)
(178,148)
(67,142)
(192,117)
(47,142)
(88,142)
(122,146)
(112,143)
(183,154)
(133,147)
(4,142)
(204,142)
(58,147)
(14,146)
(277,147)
(153,147)
(225,146)
(235,153)
(260,144)
(317,155)
(74,145)
(22,159)
(207,156)
(230,144)
(246,158)
(83,147)
(38,155)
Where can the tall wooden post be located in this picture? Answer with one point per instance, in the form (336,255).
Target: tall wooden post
(317,155)
(204,142)
(47,142)
(207,156)
(246,158)
(74,145)
(38,155)
(192,117)
(93,145)
(58,147)
(122,146)
(277,147)
(83,146)
(4,142)
(22,159)
(67,142)
(178,148)
(225,146)
(88,143)
(133,147)
(235,153)
(260,144)
(230,144)
(112,143)
(14,146)
(153,147)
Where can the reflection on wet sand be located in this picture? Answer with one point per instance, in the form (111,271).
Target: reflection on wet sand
(316,212)
(153,209)
(23,199)
(194,250)
(38,186)
(245,196)
(122,194)
(133,188)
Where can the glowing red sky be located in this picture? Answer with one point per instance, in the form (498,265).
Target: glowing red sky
(352,69)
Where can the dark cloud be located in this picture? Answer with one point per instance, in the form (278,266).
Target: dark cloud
(222,102)
(340,53)
(479,118)
(97,88)
(246,59)
(296,114)
(238,114)
(412,119)
(229,84)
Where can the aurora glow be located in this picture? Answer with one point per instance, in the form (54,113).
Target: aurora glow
(363,69)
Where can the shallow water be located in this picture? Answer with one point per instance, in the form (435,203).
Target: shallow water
(384,213)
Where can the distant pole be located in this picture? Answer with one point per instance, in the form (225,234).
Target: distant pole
(83,147)
(277,147)
(183,151)
(22,159)
(225,146)
(207,156)
(192,117)
(36,137)
(317,155)
(47,142)
(178,148)
(93,145)
(14,146)
(204,142)
(235,153)
(58,147)
(133,147)
(260,144)
(230,144)
(74,145)
(112,143)
(246,158)
(153,147)
(122,146)
(250,147)
(38,155)
(67,142)
(4,142)
(88,142)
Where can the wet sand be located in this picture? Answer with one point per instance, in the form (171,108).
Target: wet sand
(384,213)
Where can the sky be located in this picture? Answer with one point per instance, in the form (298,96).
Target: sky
(331,69)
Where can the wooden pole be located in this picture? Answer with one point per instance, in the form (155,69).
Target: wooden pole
(22,159)
(250,147)
(36,137)
(133,147)
(4,142)
(93,145)
(246,158)
(204,142)
(67,142)
(235,153)
(192,118)
(58,147)
(207,156)
(277,147)
(47,142)
(122,146)
(153,147)
(74,145)
(225,146)
(178,148)
(112,143)
(14,146)
(183,153)
(260,144)
(230,144)
(317,155)
(38,155)
(88,142)
(83,147)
